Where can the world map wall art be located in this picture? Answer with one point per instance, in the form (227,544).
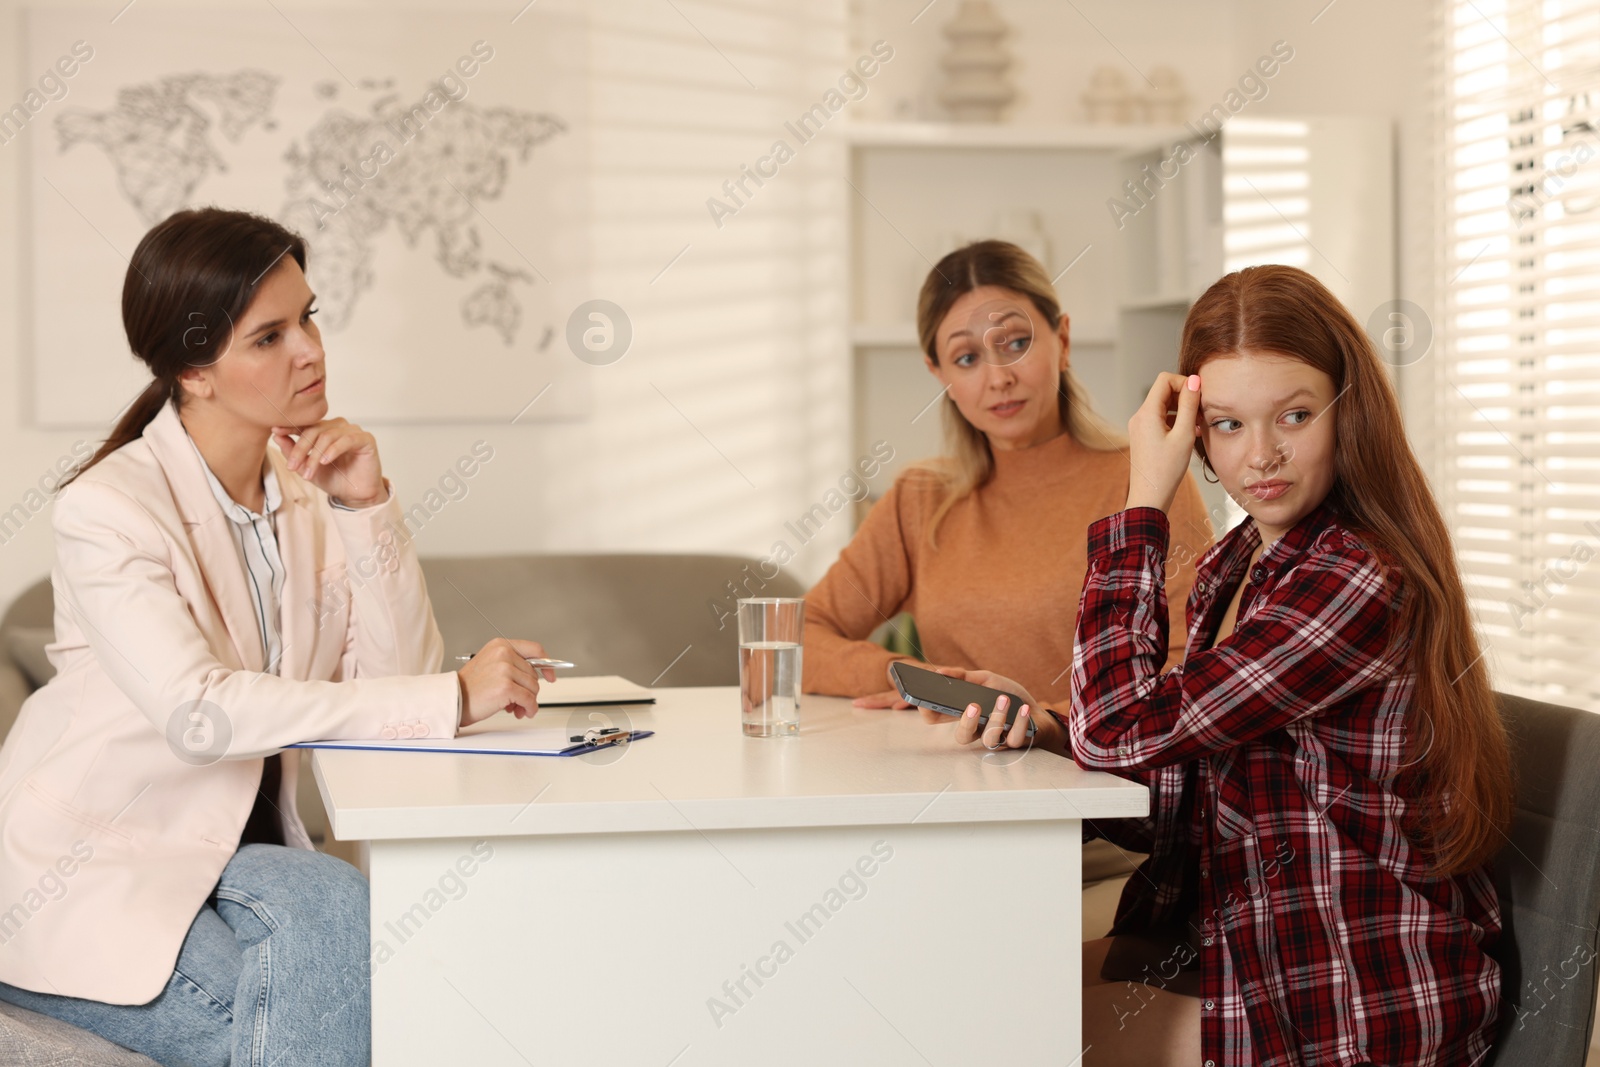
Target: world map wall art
(435,163)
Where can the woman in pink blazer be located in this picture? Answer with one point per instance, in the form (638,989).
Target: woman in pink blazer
(215,601)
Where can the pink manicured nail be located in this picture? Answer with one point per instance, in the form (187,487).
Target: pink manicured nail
(1194,383)
(972,710)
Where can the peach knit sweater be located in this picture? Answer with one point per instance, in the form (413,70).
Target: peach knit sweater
(1001,590)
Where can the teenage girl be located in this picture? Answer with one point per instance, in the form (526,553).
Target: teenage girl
(1328,772)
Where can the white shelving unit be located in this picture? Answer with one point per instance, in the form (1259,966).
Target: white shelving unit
(921,189)
(954,135)
(1169,250)
(904,335)
(1315,193)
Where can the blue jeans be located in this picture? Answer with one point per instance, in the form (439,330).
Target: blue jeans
(275,975)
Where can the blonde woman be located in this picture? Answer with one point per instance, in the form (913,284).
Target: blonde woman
(984,545)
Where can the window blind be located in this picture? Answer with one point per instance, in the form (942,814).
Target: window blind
(729,415)
(1517,368)
(1266,187)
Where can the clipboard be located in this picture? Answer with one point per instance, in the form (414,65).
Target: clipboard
(527,741)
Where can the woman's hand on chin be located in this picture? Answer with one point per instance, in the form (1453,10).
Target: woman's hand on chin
(336,456)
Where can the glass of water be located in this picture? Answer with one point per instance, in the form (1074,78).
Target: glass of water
(770,636)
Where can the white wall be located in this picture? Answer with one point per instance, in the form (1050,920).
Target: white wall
(1352,59)
(728,415)
(1369,58)
(1359,58)
(1054,48)
(745,334)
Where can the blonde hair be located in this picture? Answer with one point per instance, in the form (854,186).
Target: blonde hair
(968,461)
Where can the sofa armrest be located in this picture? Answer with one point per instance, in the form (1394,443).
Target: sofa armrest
(14,689)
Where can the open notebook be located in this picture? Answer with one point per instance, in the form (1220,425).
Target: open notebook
(507,735)
(601,689)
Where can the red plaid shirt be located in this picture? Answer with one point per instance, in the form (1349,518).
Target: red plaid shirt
(1273,765)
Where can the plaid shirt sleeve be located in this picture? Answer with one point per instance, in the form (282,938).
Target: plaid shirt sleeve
(1321,635)
(1277,827)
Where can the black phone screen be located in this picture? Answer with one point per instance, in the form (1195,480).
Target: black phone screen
(950,696)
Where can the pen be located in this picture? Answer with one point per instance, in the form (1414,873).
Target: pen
(609,736)
(554,664)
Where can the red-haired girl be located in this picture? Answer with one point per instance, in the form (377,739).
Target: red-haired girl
(1328,771)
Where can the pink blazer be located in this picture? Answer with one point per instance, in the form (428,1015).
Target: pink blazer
(119,806)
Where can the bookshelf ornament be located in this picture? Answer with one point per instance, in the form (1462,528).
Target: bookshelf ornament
(1108,98)
(1166,102)
(975,87)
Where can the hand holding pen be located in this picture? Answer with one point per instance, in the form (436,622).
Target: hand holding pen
(537,661)
(503,675)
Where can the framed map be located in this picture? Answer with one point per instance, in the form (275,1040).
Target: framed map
(434,161)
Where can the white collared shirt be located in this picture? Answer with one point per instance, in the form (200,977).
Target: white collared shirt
(257,538)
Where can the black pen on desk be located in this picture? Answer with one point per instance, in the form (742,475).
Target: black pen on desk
(553,664)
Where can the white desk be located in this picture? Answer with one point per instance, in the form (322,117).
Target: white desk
(611,897)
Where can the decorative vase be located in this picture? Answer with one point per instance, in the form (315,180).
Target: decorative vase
(1108,99)
(975,87)
(1166,102)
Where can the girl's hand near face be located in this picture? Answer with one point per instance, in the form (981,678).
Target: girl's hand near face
(336,456)
(1159,449)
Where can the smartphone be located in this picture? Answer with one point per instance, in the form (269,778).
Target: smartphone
(950,696)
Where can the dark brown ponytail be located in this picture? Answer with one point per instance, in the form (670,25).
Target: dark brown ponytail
(191,278)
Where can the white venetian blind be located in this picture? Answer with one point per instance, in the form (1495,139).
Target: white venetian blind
(1518,374)
(729,414)
(1266,188)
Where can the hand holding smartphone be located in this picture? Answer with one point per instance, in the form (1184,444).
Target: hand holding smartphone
(950,696)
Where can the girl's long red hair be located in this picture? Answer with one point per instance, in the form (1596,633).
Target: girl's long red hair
(1456,754)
